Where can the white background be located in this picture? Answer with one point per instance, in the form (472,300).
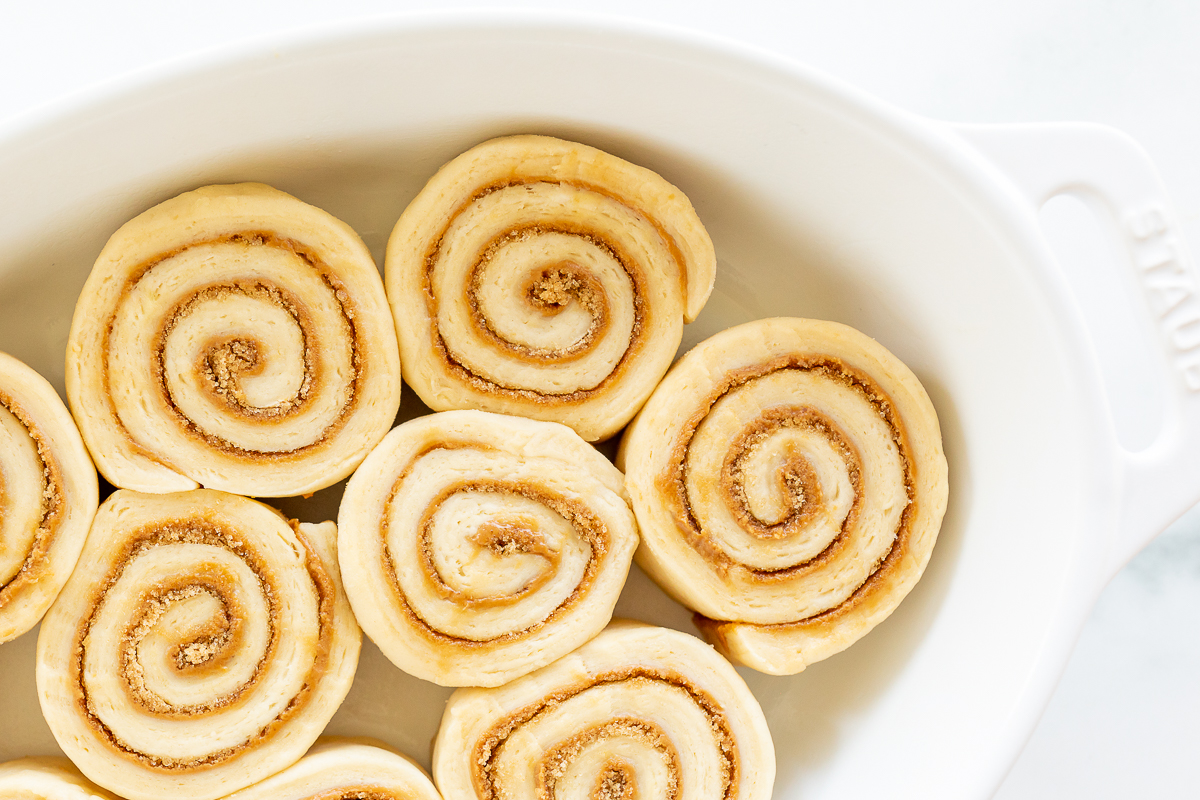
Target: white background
(1125,721)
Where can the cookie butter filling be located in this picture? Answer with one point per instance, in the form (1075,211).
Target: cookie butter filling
(187,626)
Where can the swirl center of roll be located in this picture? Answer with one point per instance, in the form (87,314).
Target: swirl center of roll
(559,278)
(618,781)
(528,298)
(254,351)
(194,643)
(194,634)
(610,756)
(498,557)
(264,370)
(791,479)
(774,477)
(488,545)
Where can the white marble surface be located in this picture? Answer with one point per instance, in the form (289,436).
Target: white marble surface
(1123,720)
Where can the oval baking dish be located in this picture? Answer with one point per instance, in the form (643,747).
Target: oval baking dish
(821,202)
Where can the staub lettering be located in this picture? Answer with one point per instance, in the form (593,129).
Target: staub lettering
(1171,288)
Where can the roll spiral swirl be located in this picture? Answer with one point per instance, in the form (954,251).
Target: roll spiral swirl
(548,279)
(202,644)
(48,496)
(233,337)
(346,769)
(638,711)
(478,547)
(789,481)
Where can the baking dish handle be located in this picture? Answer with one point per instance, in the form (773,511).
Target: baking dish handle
(1112,174)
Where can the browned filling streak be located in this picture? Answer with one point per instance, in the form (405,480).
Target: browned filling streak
(360,793)
(228,359)
(549,290)
(617,779)
(514,537)
(503,539)
(673,489)
(225,361)
(205,650)
(53,506)
(797,481)
(570,227)
(877,578)
(507,538)
(617,776)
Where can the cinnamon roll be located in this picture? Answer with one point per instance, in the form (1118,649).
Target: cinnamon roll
(346,769)
(639,711)
(233,337)
(478,547)
(547,279)
(48,495)
(47,778)
(789,482)
(202,644)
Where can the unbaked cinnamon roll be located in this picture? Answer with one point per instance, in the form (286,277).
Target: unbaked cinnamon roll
(547,279)
(789,482)
(202,644)
(478,547)
(346,769)
(233,337)
(47,778)
(48,495)
(639,711)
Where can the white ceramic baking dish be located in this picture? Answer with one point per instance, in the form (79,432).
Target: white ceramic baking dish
(822,202)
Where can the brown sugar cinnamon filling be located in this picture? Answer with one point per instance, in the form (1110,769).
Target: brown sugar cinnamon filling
(361,793)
